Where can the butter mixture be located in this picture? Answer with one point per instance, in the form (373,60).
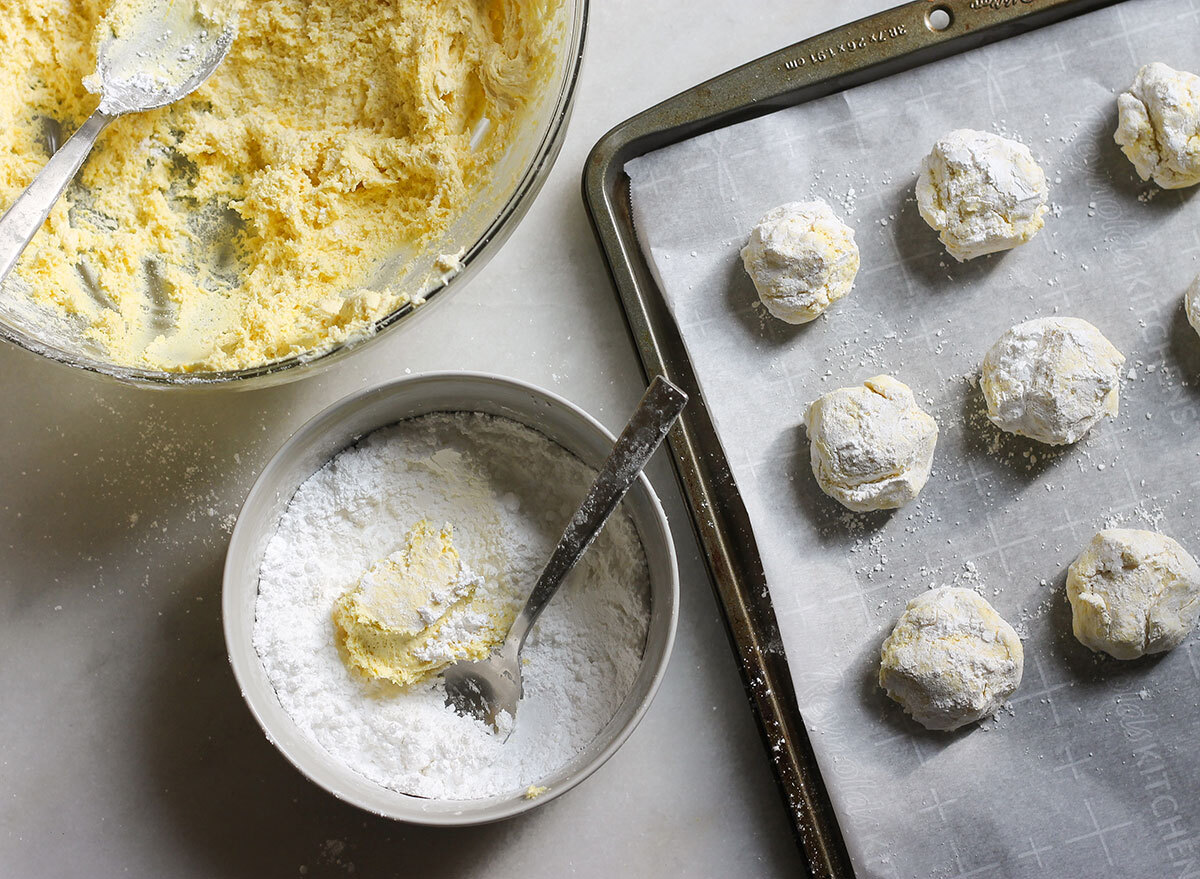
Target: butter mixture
(251,221)
(415,612)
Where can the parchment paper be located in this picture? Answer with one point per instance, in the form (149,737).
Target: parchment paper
(1095,770)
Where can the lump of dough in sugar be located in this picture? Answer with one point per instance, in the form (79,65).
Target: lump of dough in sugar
(1158,126)
(1133,592)
(398,622)
(802,259)
(1191,304)
(951,659)
(984,193)
(872,445)
(1051,379)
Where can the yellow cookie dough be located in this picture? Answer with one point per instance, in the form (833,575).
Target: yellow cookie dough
(415,612)
(1158,125)
(1051,379)
(871,445)
(1191,304)
(335,134)
(951,660)
(802,259)
(1133,592)
(984,193)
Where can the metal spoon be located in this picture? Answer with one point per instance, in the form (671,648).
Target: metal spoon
(128,83)
(488,687)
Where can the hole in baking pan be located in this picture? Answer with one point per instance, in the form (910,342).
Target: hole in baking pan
(939,18)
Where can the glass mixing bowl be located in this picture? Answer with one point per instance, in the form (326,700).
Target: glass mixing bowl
(478,234)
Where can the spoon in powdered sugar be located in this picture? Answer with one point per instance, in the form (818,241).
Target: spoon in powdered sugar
(489,689)
(150,55)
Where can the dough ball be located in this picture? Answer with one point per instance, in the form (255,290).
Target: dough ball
(872,445)
(1191,304)
(1158,126)
(1051,379)
(951,659)
(984,193)
(1133,592)
(802,259)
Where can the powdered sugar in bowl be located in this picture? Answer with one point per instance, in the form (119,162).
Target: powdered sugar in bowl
(503,463)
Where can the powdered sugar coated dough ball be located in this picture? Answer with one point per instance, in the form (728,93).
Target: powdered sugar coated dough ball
(1051,379)
(802,259)
(951,660)
(984,193)
(1133,592)
(1191,304)
(872,445)
(1158,126)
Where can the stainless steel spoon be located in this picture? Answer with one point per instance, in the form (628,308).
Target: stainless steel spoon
(489,687)
(128,83)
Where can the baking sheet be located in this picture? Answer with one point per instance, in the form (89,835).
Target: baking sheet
(1095,771)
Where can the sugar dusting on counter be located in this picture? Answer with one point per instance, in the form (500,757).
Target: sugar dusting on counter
(508,491)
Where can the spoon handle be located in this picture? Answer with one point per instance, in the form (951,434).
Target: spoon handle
(658,410)
(27,214)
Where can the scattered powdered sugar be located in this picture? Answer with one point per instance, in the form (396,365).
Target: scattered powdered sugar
(508,491)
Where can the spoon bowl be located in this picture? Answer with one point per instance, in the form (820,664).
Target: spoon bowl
(489,688)
(150,58)
(154,57)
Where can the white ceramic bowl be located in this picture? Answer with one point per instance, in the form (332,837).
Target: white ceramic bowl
(340,426)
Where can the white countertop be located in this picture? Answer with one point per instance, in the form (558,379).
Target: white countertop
(125,748)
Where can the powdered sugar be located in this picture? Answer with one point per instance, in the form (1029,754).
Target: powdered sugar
(508,491)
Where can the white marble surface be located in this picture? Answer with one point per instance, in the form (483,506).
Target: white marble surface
(125,748)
